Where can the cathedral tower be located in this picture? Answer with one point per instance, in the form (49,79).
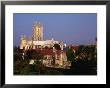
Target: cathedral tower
(23,42)
(38,32)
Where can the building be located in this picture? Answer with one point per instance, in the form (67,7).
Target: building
(38,32)
(74,48)
(52,57)
(37,39)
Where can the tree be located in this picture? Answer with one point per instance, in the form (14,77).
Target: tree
(33,54)
(80,49)
(19,65)
(57,46)
(38,57)
(70,55)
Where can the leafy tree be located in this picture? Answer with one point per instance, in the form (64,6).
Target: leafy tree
(19,65)
(33,54)
(80,49)
(57,46)
(25,70)
(70,55)
(38,57)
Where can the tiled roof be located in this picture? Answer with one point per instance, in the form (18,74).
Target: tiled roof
(49,51)
(75,47)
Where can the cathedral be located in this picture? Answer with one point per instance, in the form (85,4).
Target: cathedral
(37,39)
(46,48)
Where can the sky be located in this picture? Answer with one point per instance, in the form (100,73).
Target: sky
(71,28)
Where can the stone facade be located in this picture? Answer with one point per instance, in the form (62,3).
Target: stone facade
(52,57)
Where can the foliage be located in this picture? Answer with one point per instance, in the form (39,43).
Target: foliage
(33,54)
(21,66)
(83,65)
(70,55)
(87,57)
(80,49)
(52,72)
(57,46)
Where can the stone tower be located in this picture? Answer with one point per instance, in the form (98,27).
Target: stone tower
(38,32)
(23,42)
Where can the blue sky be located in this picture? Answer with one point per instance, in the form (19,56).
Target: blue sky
(71,28)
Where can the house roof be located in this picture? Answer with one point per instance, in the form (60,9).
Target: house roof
(50,51)
(75,48)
